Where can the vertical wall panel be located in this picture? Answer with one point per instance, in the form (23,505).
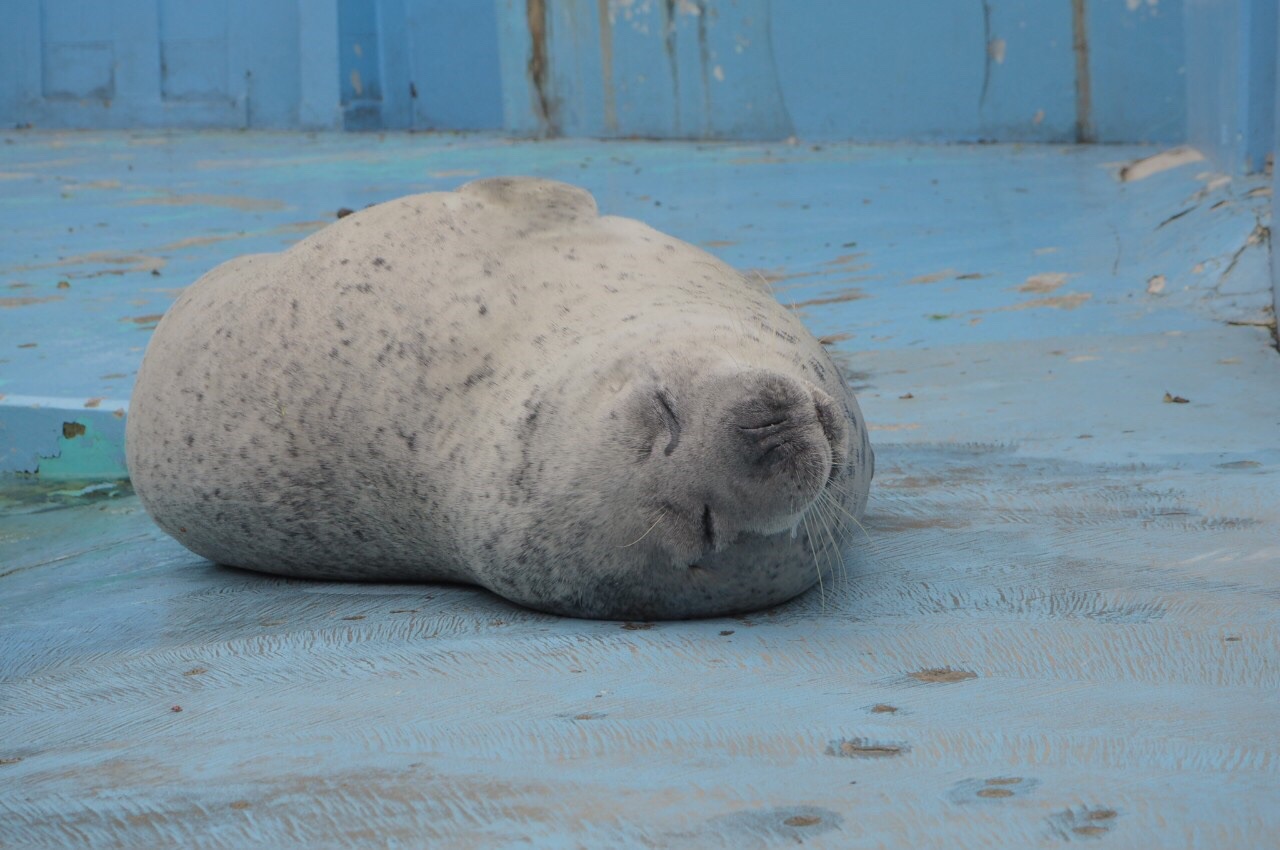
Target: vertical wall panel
(1231,80)
(20,61)
(928,69)
(265,57)
(1137,62)
(361,68)
(149,63)
(193,50)
(79,59)
(396,73)
(940,70)
(662,69)
(1261,82)
(319,94)
(452,50)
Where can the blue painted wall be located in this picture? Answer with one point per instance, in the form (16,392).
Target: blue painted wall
(1137,69)
(147,63)
(936,70)
(286,64)
(925,70)
(419,64)
(931,70)
(1231,76)
(1275,199)
(648,69)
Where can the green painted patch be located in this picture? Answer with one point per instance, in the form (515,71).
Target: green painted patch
(84,454)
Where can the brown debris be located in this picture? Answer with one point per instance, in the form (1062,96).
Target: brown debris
(942,674)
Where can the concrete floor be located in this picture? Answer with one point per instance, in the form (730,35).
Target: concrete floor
(1062,627)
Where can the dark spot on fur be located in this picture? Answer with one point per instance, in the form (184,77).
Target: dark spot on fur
(410,440)
(485,372)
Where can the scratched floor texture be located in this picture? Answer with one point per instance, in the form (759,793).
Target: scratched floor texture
(1062,627)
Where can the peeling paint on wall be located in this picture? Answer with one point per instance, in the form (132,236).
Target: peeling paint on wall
(1141,169)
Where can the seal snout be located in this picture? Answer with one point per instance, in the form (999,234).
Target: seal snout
(787,439)
(785,428)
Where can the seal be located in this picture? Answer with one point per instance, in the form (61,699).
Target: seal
(499,386)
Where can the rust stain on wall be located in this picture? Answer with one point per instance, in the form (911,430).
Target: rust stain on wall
(986,62)
(606,65)
(704,60)
(539,65)
(669,44)
(1084,85)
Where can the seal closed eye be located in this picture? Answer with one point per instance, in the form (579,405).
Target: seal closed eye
(500,386)
(669,416)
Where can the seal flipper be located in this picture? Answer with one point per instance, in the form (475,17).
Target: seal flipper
(543,202)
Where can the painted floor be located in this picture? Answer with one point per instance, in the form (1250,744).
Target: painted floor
(1063,625)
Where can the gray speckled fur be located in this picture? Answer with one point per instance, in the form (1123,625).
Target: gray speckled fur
(499,386)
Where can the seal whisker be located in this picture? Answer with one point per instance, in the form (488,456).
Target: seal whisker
(822,518)
(845,536)
(646,533)
(832,501)
(808,535)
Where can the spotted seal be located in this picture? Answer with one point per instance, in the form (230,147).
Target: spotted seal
(500,386)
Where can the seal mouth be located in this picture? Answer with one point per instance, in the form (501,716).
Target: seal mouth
(710,536)
(708,528)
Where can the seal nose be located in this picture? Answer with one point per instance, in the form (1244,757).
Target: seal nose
(783,439)
(776,424)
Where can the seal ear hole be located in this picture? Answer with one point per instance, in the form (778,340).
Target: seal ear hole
(708,528)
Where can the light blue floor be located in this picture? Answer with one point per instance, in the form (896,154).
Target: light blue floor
(1063,626)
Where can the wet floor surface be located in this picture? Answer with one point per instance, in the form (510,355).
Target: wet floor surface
(1061,626)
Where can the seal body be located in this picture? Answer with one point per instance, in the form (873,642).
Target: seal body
(499,386)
